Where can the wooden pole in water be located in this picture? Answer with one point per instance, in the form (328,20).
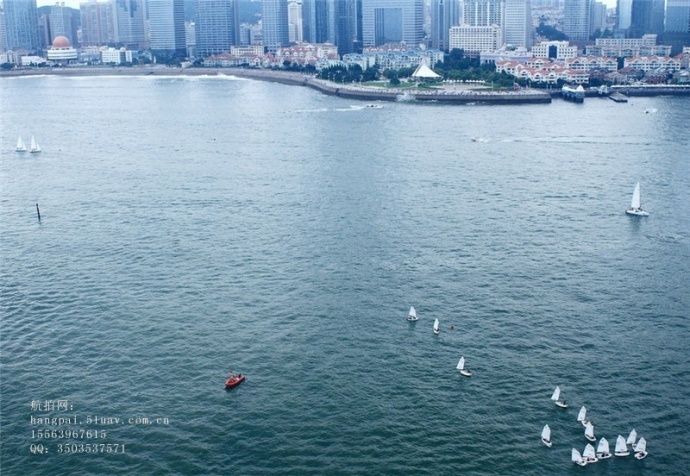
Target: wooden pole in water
(38,212)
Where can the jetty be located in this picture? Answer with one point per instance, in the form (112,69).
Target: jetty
(618,97)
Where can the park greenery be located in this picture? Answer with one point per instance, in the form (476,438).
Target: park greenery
(457,67)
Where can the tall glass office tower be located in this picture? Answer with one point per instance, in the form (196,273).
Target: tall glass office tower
(21,25)
(392,21)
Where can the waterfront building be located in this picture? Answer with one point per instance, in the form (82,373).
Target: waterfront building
(542,72)
(576,19)
(166,27)
(518,55)
(21,25)
(128,23)
(444,15)
(116,56)
(61,51)
(589,63)
(275,24)
(628,47)
(96,23)
(190,38)
(517,27)
(559,50)
(392,21)
(653,63)
(217,26)
(475,39)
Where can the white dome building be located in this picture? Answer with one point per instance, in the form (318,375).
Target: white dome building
(61,51)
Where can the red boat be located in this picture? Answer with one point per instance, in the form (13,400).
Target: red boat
(234,381)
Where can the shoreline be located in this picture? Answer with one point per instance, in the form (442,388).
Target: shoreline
(349,91)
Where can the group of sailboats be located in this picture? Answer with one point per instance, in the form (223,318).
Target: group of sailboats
(21,147)
(412,317)
(589,455)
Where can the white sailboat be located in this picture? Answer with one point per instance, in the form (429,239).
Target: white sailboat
(631,439)
(621,447)
(556,396)
(546,436)
(641,449)
(436,327)
(21,147)
(636,203)
(577,458)
(34,146)
(588,454)
(589,432)
(581,416)
(462,369)
(603,449)
(412,315)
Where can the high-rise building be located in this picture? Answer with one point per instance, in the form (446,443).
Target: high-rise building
(517,27)
(392,21)
(623,12)
(347,26)
(21,25)
(483,12)
(61,23)
(677,16)
(576,18)
(274,18)
(166,27)
(295,22)
(3,32)
(128,23)
(647,16)
(96,23)
(315,16)
(217,26)
(598,20)
(444,14)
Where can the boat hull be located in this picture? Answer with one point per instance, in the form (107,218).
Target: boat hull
(603,455)
(233,382)
(641,455)
(412,319)
(591,438)
(636,212)
(546,442)
(466,373)
(622,453)
(561,404)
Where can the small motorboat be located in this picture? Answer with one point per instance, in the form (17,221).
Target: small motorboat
(234,380)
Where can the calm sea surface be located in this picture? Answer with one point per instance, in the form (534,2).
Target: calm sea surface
(190,226)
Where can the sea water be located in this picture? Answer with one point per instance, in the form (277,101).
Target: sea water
(193,226)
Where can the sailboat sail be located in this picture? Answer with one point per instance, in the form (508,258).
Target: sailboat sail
(546,433)
(582,414)
(636,198)
(641,446)
(556,394)
(461,364)
(589,432)
(575,456)
(621,447)
(412,314)
(631,438)
(21,147)
(603,446)
(589,451)
(436,326)
(34,145)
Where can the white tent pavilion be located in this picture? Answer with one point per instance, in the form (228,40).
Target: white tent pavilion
(424,72)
